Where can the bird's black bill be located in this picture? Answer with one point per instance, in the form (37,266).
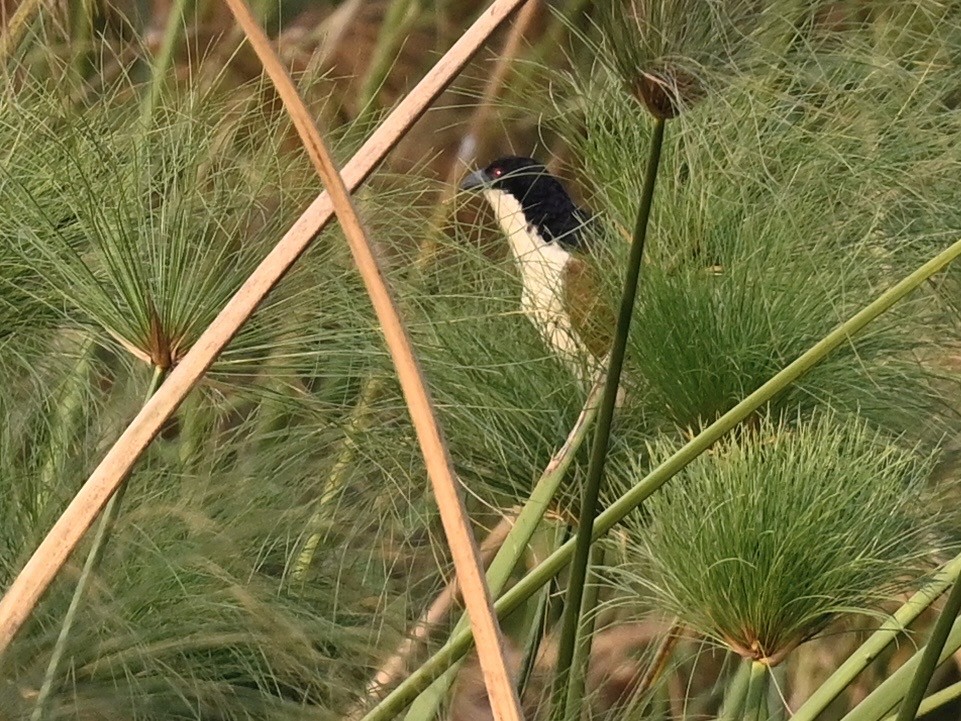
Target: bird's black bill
(477,179)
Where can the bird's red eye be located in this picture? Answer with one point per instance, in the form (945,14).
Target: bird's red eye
(497,172)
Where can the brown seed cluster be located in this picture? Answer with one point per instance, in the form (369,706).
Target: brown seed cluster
(666,93)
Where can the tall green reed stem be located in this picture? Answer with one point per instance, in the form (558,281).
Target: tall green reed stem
(361,418)
(885,697)
(932,652)
(776,707)
(161,63)
(101,536)
(602,435)
(515,545)
(540,618)
(936,700)
(460,642)
(756,702)
(577,682)
(735,696)
(879,640)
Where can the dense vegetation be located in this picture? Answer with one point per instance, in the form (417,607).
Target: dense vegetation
(278,541)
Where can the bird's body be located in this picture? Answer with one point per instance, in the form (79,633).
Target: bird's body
(545,230)
(542,267)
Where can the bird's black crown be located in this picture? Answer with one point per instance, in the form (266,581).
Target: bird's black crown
(543,198)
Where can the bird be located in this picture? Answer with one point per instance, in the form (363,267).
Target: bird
(550,239)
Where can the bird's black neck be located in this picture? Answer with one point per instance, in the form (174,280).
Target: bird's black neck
(559,220)
(549,208)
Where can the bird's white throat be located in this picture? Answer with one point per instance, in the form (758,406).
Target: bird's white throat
(542,266)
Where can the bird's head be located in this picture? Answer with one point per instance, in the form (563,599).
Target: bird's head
(544,226)
(542,199)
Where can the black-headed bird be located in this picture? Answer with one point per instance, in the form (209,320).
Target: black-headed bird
(549,239)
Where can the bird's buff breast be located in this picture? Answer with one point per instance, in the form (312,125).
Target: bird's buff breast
(542,271)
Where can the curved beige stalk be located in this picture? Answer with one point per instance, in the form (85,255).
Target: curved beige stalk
(450,501)
(43,566)
(10,38)
(471,141)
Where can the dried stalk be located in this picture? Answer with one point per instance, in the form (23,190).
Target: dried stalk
(534,511)
(13,33)
(48,559)
(101,537)
(512,529)
(470,143)
(466,155)
(659,663)
(447,491)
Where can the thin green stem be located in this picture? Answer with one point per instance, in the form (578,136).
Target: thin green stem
(532,644)
(932,652)
(101,536)
(756,701)
(576,680)
(936,700)
(878,641)
(460,642)
(595,470)
(394,31)
(361,418)
(776,709)
(161,63)
(514,547)
(886,696)
(429,701)
(540,499)
(735,697)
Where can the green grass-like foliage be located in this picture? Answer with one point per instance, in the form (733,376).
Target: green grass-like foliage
(122,237)
(147,242)
(193,613)
(760,543)
(765,237)
(662,48)
(784,204)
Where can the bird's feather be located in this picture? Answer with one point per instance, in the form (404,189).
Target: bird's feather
(549,237)
(591,318)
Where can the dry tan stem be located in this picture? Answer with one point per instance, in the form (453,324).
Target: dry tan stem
(40,570)
(467,152)
(19,21)
(435,613)
(659,663)
(450,501)
(469,144)
(466,155)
